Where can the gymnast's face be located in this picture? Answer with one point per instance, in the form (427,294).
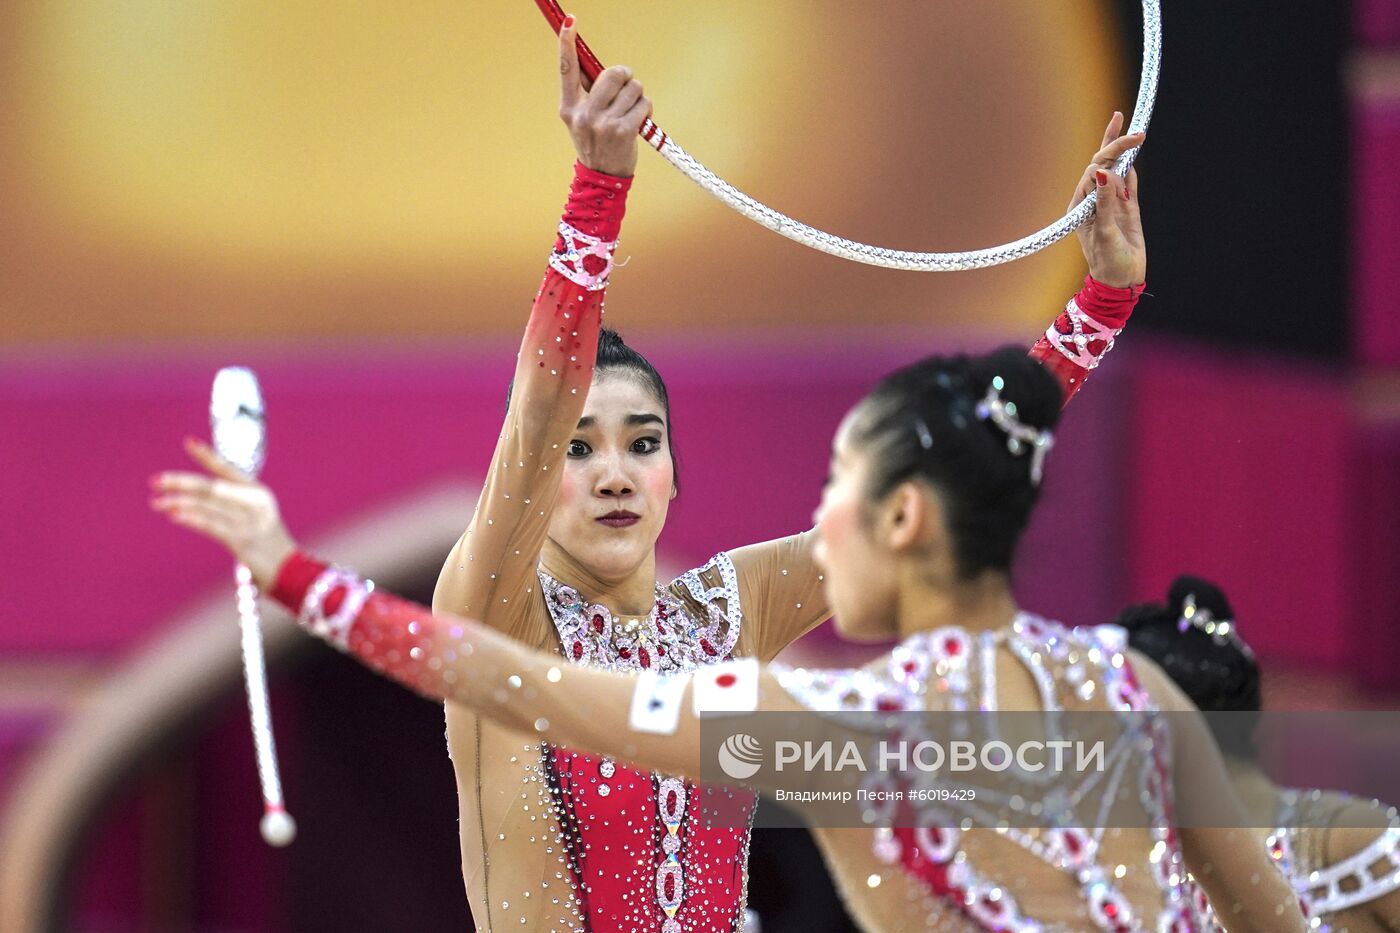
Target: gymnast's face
(619,479)
(860,570)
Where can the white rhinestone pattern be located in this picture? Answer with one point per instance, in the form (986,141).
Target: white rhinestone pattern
(949,668)
(669,640)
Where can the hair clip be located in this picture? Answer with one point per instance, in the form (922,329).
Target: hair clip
(1221,631)
(1019,436)
(925,438)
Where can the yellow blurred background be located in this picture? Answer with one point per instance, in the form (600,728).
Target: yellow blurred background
(250,169)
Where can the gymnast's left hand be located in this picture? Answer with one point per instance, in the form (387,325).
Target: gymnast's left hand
(1112,238)
(226,505)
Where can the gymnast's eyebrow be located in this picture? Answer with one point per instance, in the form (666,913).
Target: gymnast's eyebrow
(589,421)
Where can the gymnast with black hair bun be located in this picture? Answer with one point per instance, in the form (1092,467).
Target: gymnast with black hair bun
(1341,853)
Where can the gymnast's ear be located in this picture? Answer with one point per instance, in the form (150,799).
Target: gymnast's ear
(906,515)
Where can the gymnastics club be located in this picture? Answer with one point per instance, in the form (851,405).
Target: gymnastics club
(238,423)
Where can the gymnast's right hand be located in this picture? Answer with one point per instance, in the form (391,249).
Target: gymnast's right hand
(604,120)
(238,512)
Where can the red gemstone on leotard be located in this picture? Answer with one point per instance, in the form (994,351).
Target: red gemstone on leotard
(578,650)
(952,646)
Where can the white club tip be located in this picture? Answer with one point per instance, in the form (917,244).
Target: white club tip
(278,828)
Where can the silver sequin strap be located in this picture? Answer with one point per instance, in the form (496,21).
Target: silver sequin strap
(336,628)
(1084,330)
(577,247)
(1357,879)
(721,632)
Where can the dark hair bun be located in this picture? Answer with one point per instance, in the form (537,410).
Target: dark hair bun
(1026,382)
(1217,676)
(1208,596)
(612,349)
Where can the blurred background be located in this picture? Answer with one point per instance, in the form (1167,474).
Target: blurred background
(357,202)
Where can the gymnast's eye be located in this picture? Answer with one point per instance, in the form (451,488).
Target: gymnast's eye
(579,449)
(646,445)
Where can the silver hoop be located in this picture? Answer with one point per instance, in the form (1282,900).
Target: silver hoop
(928,262)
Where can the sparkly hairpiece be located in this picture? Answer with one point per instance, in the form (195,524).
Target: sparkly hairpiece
(925,438)
(1221,631)
(1019,436)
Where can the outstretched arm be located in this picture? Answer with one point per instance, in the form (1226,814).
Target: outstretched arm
(650,720)
(491,570)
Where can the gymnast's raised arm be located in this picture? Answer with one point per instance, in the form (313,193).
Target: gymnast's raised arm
(490,573)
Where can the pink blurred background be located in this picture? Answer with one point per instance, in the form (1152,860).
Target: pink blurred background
(356,205)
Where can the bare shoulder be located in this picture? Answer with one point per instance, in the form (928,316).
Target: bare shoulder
(1356,824)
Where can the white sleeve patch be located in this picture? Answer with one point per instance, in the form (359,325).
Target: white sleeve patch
(656,702)
(730,687)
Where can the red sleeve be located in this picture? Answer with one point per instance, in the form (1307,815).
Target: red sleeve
(596,203)
(1079,339)
(294,578)
(395,637)
(491,570)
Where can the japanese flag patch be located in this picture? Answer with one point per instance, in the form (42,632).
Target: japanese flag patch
(729,687)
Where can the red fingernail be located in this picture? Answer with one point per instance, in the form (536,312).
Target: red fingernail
(569,21)
(1101,179)
(1127,196)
